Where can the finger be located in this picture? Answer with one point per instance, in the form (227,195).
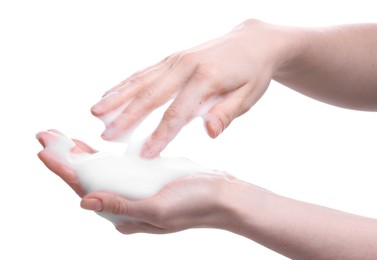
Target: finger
(125,92)
(195,95)
(231,106)
(113,101)
(178,114)
(82,147)
(115,88)
(150,97)
(41,137)
(61,170)
(49,136)
(136,74)
(53,163)
(128,88)
(46,137)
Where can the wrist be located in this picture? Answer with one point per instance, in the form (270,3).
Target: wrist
(283,44)
(293,43)
(239,205)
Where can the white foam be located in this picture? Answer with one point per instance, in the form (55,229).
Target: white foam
(127,175)
(109,117)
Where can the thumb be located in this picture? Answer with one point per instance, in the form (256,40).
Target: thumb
(117,205)
(222,114)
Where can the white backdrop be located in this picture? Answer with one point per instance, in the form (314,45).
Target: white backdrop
(58,57)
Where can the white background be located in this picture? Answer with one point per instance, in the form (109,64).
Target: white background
(58,57)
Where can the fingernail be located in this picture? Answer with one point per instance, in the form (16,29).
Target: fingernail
(98,205)
(92,204)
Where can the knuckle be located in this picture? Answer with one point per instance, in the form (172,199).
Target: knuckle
(207,71)
(186,58)
(171,113)
(156,135)
(226,117)
(166,59)
(207,76)
(147,93)
(139,80)
(171,58)
(119,208)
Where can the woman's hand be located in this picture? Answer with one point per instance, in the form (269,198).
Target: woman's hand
(222,78)
(56,165)
(192,201)
(188,202)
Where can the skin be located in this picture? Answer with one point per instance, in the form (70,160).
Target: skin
(336,65)
(293,228)
(229,74)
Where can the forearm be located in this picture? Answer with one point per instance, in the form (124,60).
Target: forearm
(296,229)
(337,65)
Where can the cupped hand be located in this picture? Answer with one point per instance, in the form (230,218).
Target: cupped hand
(191,201)
(222,78)
(188,202)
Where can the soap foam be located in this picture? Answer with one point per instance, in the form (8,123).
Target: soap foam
(127,175)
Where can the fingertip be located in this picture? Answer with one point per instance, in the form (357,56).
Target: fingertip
(37,135)
(107,102)
(120,127)
(45,137)
(96,110)
(40,138)
(107,135)
(99,109)
(214,127)
(41,155)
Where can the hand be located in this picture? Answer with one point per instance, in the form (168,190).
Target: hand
(56,165)
(193,201)
(224,77)
(187,202)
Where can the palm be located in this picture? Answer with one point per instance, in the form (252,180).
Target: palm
(182,203)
